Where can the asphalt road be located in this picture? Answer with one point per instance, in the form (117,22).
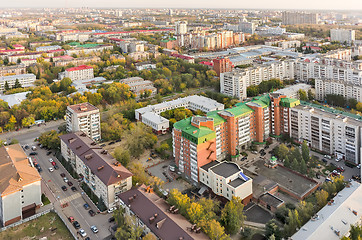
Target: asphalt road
(54,182)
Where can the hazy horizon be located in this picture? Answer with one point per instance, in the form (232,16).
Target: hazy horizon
(349,5)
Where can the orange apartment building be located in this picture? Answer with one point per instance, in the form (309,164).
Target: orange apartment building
(200,140)
(222,65)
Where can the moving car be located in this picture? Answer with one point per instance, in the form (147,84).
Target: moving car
(51,169)
(33,153)
(86,206)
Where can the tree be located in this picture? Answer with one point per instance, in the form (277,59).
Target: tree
(139,137)
(295,165)
(28,121)
(282,151)
(6,86)
(310,95)
(303,167)
(11,123)
(322,198)
(305,151)
(287,162)
(272,229)
(50,139)
(149,236)
(302,95)
(122,156)
(232,216)
(252,91)
(17,84)
(215,231)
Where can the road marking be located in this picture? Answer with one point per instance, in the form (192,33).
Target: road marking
(70,198)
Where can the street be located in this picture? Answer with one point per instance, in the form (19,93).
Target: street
(52,183)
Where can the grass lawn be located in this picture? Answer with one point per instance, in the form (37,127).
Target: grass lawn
(38,228)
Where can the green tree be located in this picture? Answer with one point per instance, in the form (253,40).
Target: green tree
(27,121)
(6,86)
(287,162)
(50,139)
(272,229)
(252,91)
(232,216)
(310,95)
(282,151)
(11,123)
(149,236)
(17,84)
(302,95)
(303,167)
(139,137)
(122,156)
(305,152)
(295,165)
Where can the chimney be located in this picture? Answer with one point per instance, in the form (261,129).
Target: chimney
(130,199)
(88,156)
(151,219)
(78,147)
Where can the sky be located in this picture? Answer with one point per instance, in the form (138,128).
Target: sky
(256,4)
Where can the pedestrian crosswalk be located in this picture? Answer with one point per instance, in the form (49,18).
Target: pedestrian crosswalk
(70,198)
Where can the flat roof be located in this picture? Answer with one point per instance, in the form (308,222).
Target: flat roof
(81,67)
(82,107)
(155,118)
(144,208)
(236,182)
(271,200)
(225,169)
(336,217)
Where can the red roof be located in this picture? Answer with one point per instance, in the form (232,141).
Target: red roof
(135,31)
(11,50)
(116,39)
(81,67)
(57,50)
(207,63)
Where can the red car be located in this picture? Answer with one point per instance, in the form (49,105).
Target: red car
(53,163)
(71,219)
(70,183)
(62,175)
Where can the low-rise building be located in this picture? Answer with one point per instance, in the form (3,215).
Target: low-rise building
(25,80)
(20,185)
(292,91)
(226,179)
(81,72)
(12,70)
(144,65)
(103,174)
(140,87)
(14,99)
(138,56)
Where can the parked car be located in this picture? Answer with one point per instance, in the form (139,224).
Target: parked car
(92,213)
(39,169)
(62,175)
(74,189)
(33,153)
(70,184)
(111,143)
(86,206)
(82,233)
(64,188)
(327,156)
(49,152)
(76,224)
(110,210)
(51,160)
(33,148)
(359,166)
(56,167)
(111,219)
(324,160)
(255,152)
(94,229)
(54,163)
(340,169)
(71,219)
(51,169)
(103,145)
(172,168)
(244,158)
(65,180)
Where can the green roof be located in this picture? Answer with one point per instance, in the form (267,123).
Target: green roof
(194,134)
(332,110)
(289,102)
(74,43)
(240,110)
(264,98)
(168,39)
(87,45)
(217,119)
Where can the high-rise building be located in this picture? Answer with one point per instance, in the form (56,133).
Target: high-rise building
(180,27)
(290,18)
(345,89)
(86,118)
(343,35)
(20,191)
(247,27)
(222,65)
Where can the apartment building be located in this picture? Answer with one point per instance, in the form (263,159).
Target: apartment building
(347,90)
(63,61)
(84,117)
(26,80)
(20,185)
(341,54)
(12,70)
(292,91)
(342,63)
(47,48)
(235,83)
(292,18)
(327,130)
(150,115)
(82,72)
(222,65)
(98,169)
(228,180)
(343,35)
(138,56)
(181,27)
(139,86)
(200,140)
(92,49)
(306,70)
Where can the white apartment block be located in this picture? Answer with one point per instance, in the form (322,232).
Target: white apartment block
(20,187)
(236,82)
(325,86)
(159,123)
(86,118)
(342,63)
(341,54)
(289,44)
(99,170)
(343,35)
(26,80)
(82,72)
(328,131)
(304,71)
(292,91)
(226,179)
(180,27)
(90,50)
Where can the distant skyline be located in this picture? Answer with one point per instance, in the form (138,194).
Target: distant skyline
(259,4)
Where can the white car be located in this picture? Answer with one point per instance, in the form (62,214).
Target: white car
(94,229)
(51,169)
(82,232)
(110,210)
(65,180)
(51,160)
(172,168)
(338,159)
(359,166)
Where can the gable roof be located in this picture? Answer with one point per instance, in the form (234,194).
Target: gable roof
(98,160)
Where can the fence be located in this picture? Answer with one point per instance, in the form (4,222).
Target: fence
(65,223)
(26,219)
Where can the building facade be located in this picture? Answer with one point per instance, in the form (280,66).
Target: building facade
(103,174)
(343,35)
(20,185)
(12,70)
(86,118)
(324,87)
(81,72)
(292,18)
(25,80)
